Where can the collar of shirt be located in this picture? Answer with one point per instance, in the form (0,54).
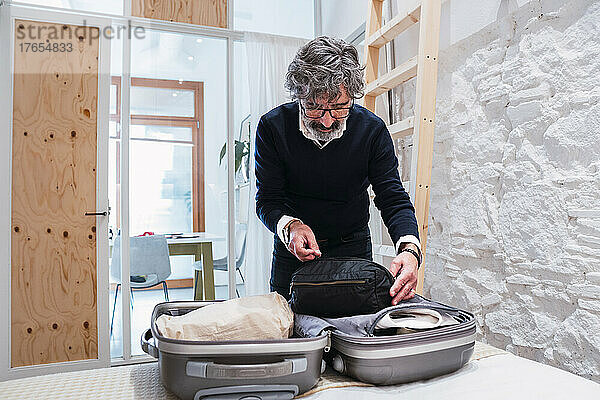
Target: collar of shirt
(320,144)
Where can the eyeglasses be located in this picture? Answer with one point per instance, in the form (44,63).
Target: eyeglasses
(336,113)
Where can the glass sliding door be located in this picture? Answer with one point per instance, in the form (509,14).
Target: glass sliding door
(165,163)
(177,179)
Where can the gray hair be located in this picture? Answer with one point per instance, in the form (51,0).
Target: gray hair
(321,66)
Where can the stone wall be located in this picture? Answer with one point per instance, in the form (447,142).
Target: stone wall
(514,228)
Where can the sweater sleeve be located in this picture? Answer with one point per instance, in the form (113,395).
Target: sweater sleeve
(270,179)
(391,199)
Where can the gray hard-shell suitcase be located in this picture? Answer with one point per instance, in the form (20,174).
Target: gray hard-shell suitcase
(252,369)
(394,359)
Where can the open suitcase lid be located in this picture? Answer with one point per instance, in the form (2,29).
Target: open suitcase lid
(395,358)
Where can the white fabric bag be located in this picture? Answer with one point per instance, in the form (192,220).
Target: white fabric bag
(261,317)
(415,319)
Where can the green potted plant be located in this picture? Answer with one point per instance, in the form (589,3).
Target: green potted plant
(241,152)
(242,149)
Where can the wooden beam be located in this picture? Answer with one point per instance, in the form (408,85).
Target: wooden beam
(395,77)
(374,22)
(425,117)
(402,128)
(394,27)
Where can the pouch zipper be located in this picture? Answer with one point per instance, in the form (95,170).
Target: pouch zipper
(373,263)
(362,281)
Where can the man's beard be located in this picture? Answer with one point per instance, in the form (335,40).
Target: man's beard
(314,128)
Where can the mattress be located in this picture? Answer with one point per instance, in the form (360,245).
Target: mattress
(499,377)
(490,374)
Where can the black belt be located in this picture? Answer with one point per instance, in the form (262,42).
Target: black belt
(359,234)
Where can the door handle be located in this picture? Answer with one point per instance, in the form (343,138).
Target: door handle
(104,213)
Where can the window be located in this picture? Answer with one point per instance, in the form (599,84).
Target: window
(167,162)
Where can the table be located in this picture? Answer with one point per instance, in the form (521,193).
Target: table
(201,248)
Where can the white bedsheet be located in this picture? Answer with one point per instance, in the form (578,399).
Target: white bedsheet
(502,377)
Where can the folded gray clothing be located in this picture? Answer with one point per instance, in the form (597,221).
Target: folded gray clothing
(363,325)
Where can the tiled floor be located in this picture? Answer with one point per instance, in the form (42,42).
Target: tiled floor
(143,304)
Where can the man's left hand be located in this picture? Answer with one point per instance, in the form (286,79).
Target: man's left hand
(406,281)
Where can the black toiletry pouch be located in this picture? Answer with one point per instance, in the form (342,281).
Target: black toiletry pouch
(340,287)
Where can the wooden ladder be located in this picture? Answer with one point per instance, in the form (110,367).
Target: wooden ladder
(424,67)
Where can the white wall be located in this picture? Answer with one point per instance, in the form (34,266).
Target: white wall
(339,18)
(516,155)
(289,18)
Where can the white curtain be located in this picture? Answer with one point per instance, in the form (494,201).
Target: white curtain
(268,59)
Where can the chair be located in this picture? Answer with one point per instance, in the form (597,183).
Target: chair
(149,257)
(220,264)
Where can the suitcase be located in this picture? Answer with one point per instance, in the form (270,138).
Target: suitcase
(395,359)
(252,369)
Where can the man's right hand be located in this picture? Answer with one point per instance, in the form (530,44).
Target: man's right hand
(303,243)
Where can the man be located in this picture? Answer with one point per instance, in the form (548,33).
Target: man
(315,159)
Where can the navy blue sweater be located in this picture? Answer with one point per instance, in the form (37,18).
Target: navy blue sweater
(327,188)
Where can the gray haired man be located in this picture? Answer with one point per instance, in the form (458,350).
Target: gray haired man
(315,159)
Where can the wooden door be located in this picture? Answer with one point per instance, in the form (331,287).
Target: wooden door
(54,160)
